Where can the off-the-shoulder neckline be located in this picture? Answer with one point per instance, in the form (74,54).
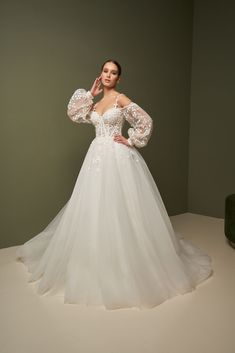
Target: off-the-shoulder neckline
(125,106)
(119,108)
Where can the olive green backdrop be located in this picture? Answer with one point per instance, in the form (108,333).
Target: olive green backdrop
(51,48)
(212,123)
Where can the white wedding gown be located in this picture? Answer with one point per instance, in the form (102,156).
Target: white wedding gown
(112,244)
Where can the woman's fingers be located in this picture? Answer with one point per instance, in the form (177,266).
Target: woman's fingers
(95,90)
(98,79)
(121,139)
(97,82)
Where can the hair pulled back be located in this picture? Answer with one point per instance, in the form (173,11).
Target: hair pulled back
(114,62)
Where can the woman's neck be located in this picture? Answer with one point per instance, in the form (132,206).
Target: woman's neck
(108,92)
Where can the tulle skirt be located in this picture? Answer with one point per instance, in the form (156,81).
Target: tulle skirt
(112,244)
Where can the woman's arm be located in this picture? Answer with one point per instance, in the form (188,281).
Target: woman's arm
(141,123)
(81,102)
(80,105)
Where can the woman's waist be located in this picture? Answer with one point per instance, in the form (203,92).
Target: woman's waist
(104,138)
(106,134)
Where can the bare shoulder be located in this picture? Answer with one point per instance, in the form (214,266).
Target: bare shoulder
(124,100)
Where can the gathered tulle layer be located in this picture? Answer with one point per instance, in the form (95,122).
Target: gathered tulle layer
(112,244)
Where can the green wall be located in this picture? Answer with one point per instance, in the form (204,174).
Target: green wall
(51,48)
(212,123)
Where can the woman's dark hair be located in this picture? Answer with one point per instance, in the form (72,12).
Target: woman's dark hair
(114,62)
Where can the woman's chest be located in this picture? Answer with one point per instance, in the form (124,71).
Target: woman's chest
(112,116)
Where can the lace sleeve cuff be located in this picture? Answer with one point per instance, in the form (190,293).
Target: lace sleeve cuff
(89,95)
(130,142)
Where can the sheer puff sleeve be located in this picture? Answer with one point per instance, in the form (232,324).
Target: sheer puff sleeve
(141,125)
(80,105)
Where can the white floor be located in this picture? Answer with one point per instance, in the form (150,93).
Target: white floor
(202,321)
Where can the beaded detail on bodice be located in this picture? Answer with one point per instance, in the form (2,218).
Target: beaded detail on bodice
(108,124)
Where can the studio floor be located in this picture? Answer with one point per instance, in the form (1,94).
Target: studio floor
(201,321)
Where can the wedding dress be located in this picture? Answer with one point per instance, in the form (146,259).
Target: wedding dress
(112,244)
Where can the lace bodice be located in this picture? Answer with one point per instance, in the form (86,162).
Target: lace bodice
(81,110)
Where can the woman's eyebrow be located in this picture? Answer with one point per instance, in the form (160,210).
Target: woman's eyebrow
(111,70)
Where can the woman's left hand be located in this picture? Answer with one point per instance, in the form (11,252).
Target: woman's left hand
(121,139)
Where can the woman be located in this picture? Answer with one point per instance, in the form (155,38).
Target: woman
(113,244)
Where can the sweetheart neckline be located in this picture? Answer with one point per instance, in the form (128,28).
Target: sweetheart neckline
(120,108)
(101,115)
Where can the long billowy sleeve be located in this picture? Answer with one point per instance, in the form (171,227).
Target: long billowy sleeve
(80,105)
(141,125)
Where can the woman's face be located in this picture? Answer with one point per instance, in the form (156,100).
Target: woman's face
(109,75)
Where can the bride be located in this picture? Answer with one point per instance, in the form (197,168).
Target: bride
(112,244)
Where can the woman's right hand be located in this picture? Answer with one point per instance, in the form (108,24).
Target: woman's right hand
(95,89)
